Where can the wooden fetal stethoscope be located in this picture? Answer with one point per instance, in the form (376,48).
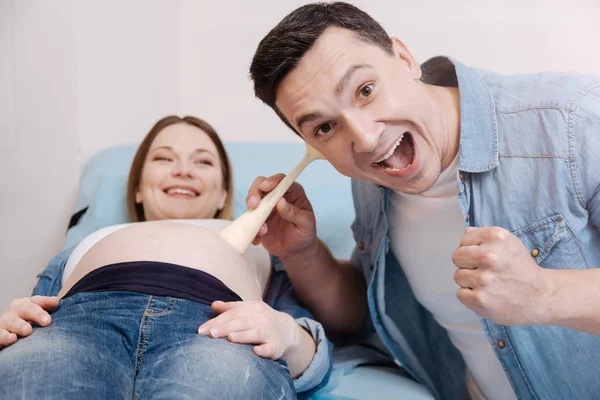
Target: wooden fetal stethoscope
(242,231)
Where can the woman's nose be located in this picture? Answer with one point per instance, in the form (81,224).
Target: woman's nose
(182,169)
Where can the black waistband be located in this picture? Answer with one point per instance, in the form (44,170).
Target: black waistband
(155,278)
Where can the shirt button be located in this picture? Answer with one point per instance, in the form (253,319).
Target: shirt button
(461,176)
(501,344)
(535,252)
(468,217)
(361,245)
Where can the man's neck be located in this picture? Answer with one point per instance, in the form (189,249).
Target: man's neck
(448,100)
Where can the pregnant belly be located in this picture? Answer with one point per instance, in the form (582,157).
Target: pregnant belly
(171,242)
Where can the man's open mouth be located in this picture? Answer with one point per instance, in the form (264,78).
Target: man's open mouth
(400,156)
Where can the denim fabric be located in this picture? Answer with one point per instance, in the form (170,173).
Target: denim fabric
(122,345)
(279,295)
(528,162)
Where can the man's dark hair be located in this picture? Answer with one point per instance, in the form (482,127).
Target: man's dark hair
(280,51)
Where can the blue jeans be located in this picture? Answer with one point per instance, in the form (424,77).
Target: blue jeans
(123,345)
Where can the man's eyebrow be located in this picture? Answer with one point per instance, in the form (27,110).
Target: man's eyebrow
(339,88)
(343,83)
(307,118)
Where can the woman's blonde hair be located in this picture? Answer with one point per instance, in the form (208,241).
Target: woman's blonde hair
(135,210)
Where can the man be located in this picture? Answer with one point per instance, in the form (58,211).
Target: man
(433,150)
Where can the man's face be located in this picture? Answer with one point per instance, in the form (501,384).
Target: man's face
(366,111)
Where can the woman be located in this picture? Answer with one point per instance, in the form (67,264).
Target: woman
(164,307)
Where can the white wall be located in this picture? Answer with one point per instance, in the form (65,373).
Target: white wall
(38,167)
(77,76)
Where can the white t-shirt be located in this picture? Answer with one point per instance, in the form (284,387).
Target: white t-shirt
(425,230)
(257,257)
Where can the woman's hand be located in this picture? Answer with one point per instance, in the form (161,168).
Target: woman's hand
(21,313)
(254,322)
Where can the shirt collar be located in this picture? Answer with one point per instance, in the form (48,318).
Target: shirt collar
(478,125)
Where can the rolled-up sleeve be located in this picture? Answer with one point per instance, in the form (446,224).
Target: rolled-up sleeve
(317,374)
(281,296)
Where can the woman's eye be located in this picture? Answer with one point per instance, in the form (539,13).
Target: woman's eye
(205,162)
(366,90)
(162,158)
(323,129)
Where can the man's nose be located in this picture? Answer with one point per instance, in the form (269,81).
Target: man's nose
(363,130)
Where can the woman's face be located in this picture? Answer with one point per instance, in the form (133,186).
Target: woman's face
(182,176)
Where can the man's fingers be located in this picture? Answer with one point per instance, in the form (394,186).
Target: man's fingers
(7,338)
(467,257)
(474,236)
(263,230)
(467,297)
(293,214)
(254,193)
(259,187)
(269,184)
(465,278)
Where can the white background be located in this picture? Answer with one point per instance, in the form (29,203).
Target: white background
(77,76)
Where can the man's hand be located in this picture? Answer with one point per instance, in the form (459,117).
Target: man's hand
(333,290)
(21,313)
(499,279)
(291,228)
(253,322)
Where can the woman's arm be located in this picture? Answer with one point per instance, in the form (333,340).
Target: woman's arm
(275,334)
(281,295)
(278,327)
(300,354)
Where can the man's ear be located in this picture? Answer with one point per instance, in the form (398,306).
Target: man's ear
(403,54)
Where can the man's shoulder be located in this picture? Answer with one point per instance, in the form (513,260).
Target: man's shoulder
(544,90)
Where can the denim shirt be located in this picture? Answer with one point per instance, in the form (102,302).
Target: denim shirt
(279,294)
(528,162)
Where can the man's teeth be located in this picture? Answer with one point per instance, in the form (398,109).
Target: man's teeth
(181,191)
(395,169)
(389,153)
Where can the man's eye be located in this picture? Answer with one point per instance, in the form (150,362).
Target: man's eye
(323,129)
(366,90)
